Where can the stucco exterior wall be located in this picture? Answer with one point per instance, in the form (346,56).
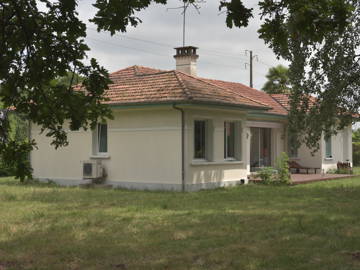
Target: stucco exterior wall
(341,152)
(306,159)
(217,169)
(143,151)
(341,149)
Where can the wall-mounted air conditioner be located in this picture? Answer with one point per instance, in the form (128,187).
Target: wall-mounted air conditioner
(92,169)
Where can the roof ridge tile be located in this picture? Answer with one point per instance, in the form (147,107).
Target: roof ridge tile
(183,86)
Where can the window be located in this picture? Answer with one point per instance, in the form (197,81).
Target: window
(200,139)
(328,148)
(229,140)
(100,144)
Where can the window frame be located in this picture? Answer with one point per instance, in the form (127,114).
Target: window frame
(226,140)
(205,140)
(328,141)
(97,140)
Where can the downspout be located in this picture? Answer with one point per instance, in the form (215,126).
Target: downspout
(182,146)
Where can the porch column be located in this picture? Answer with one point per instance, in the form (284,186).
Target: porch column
(246,146)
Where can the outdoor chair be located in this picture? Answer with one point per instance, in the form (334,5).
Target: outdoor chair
(293,165)
(344,167)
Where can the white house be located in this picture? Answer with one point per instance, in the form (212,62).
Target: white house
(174,130)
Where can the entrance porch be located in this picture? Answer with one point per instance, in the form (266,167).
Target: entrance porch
(267,141)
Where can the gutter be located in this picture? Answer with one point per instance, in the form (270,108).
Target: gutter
(182,146)
(185,103)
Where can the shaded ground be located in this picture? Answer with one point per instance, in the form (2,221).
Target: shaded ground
(314,226)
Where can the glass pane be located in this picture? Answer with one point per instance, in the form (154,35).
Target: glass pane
(265,146)
(102,136)
(254,148)
(199,143)
(229,139)
(328,147)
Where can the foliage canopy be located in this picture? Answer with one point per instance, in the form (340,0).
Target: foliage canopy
(278,81)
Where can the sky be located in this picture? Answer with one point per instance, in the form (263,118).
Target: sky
(222,51)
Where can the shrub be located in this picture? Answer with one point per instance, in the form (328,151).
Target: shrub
(266,175)
(279,175)
(5,170)
(339,171)
(331,171)
(282,165)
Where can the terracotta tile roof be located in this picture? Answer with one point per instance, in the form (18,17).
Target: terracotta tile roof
(143,85)
(283,99)
(137,84)
(253,94)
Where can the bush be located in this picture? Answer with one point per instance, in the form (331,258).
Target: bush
(4,170)
(266,175)
(339,171)
(282,166)
(279,175)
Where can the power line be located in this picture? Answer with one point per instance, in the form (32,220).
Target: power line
(167,45)
(125,47)
(153,53)
(215,53)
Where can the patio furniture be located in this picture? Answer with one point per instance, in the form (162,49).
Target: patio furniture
(345,167)
(294,165)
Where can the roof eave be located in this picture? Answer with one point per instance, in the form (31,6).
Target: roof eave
(186,103)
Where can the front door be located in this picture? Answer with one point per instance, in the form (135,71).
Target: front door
(260,148)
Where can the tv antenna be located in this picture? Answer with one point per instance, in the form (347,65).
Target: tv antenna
(184,7)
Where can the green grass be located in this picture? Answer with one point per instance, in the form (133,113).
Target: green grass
(356,170)
(312,226)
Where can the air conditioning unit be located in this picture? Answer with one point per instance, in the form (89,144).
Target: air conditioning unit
(92,169)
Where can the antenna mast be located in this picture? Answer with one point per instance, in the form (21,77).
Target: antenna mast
(184,8)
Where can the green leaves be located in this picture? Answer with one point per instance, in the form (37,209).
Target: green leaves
(38,47)
(117,15)
(320,38)
(278,81)
(237,14)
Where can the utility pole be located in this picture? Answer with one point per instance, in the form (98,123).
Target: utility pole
(251,65)
(251,69)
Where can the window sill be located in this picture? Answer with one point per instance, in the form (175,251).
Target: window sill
(100,157)
(328,158)
(209,163)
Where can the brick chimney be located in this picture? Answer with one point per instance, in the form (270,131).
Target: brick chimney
(186,59)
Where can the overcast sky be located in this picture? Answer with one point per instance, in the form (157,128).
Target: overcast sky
(221,50)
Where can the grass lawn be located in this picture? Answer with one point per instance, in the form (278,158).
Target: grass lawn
(312,226)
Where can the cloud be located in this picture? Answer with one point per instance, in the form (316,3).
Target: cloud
(221,50)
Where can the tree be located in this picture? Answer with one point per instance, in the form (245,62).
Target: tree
(278,80)
(318,37)
(70,79)
(36,47)
(321,40)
